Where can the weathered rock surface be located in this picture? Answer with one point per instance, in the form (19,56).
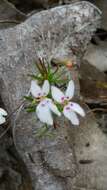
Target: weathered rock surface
(90,148)
(50,34)
(96,55)
(9,15)
(93,84)
(13,171)
(103,7)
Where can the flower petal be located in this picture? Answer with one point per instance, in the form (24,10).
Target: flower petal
(70,89)
(57,94)
(77,108)
(35,89)
(54,108)
(3,112)
(46,87)
(2,119)
(43,113)
(69,114)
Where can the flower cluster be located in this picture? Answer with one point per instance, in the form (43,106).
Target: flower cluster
(3,113)
(46,105)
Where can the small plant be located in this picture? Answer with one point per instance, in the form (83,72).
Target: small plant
(46,73)
(47,100)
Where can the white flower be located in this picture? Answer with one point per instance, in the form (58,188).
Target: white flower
(3,113)
(46,106)
(70,109)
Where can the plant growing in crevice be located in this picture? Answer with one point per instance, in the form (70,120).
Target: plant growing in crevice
(46,98)
(46,72)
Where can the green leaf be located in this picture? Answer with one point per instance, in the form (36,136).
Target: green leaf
(29,98)
(30,109)
(34,102)
(42,131)
(60,107)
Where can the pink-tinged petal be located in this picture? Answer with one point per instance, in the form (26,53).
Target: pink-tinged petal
(2,119)
(43,113)
(70,89)
(70,115)
(3,112)
(54,108)
(35,89)
(46,87)
(57,95)
(77,108)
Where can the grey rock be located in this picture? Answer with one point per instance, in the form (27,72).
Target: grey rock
(49,34)
(103,7)
(13,173)
(68,27)
(54,160)
(97,55)
(90,150)
(9,15)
